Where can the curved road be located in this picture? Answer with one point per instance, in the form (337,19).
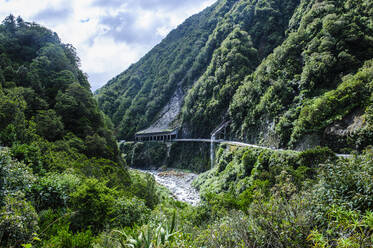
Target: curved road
(245,145)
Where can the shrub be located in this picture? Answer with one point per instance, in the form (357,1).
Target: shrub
(128,212)
(28,154)
(346,228)
(347,182)
(18,221)
(101,168)
(145,188)
(53,190)
(14,176)
(93,202)
(313,157)
(230,231)
(65,238)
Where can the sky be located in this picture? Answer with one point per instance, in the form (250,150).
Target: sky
(109,35)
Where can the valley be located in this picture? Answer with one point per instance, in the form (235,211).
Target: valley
(249,125)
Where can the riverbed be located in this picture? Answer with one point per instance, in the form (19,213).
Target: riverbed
(179,183)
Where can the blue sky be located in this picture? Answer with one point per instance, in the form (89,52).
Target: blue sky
(109,35)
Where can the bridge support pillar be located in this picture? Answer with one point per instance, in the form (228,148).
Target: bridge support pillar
(212,152)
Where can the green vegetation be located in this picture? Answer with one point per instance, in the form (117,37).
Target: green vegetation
(286,73)
(262,198)
(315,70)
(277,69)
(194,156)
(62,180)
(133,99)
(244,37)
(145,155)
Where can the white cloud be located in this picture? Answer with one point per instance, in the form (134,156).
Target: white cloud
(106,50)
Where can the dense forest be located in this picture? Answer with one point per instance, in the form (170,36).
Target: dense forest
(62,179)
(292,74)
(264,65)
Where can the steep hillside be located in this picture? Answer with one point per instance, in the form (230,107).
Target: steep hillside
(310,85)
(44,93)
(250,31)
(62,181)
(135,98)
(140,96)
(262,64)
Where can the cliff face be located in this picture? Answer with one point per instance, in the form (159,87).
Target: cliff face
(285,73)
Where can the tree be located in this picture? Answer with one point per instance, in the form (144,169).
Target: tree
(49,125)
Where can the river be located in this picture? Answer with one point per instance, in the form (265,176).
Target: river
(179,183)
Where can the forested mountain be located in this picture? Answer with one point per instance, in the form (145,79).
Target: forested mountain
(296,74)
(62,180)
(316,87)
(134,98)
(262,64)
(44,93)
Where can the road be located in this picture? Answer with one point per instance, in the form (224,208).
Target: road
(235,143)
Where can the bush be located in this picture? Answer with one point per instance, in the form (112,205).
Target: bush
(313,157)
(14,176)
(93,202)
(18,221)
(101,168)
(346,228)
(28,154)
(347,182)
(53,190)
(128,212)
(145,188)
(230,231)
(65,238)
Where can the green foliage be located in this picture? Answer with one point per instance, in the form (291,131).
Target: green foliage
(310,62)
(18,221)
(161,234)
(346,228)
(282,220)
(230,231)
(28,154)
(69,179)
(212,48)
(45,93)
(354,92)
(14,176)
(62,171)
(49,125)
(210,96)
(53,190)
(66,239)
(128,212)
(274,96)
(348,183)
(105,169)
(144,187)
(239,170)
(93,201)
(313,157)
(177,60)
